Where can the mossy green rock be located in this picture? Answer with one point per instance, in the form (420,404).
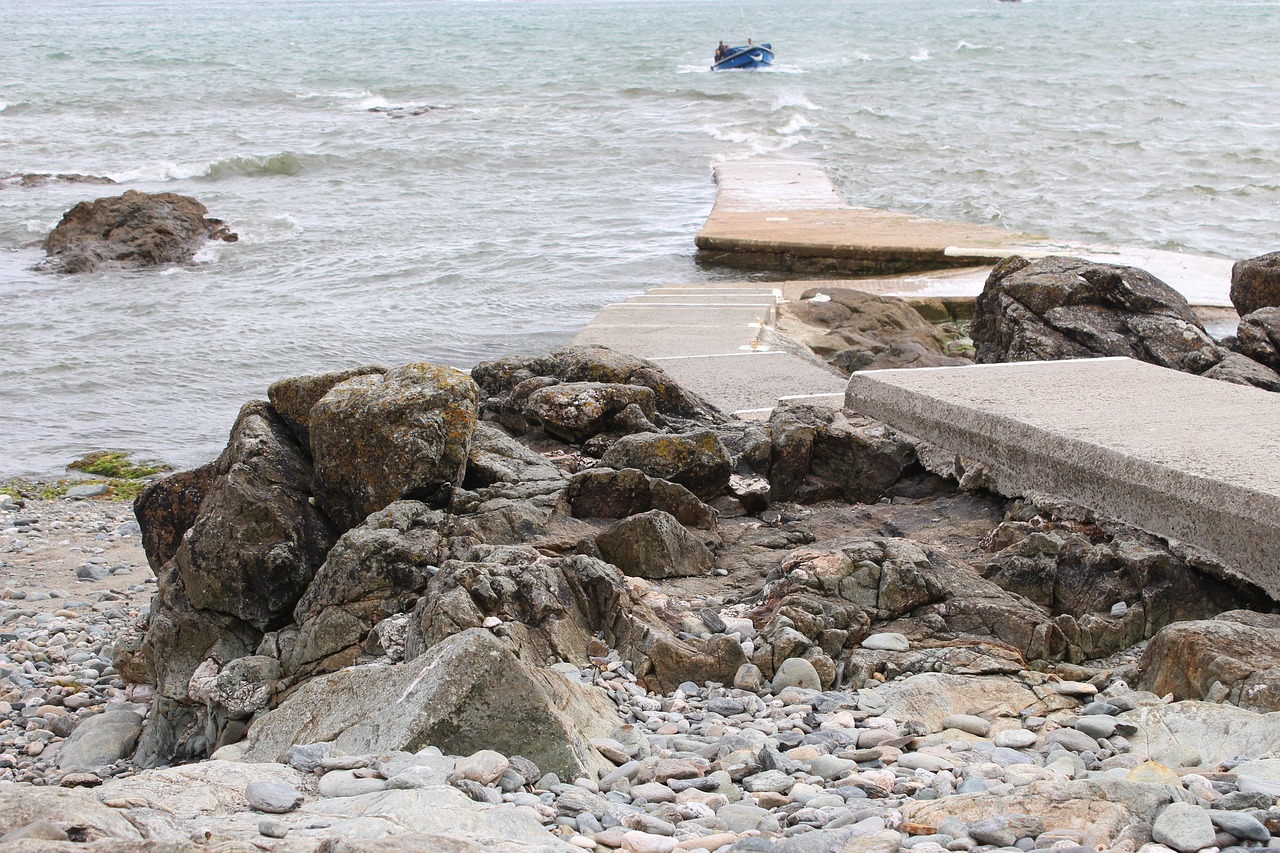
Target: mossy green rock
(575,411)
(696,460)
(376,439)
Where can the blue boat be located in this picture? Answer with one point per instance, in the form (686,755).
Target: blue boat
(745,56)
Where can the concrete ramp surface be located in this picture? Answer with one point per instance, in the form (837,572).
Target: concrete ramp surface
(1177,455)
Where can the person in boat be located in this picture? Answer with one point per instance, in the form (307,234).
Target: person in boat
(721,51)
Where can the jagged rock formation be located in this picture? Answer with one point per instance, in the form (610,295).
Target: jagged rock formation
(1060,308)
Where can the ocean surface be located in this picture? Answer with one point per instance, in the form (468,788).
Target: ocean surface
(456,181)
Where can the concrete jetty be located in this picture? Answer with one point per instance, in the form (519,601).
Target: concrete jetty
(788,215)
(1176,455)
(717,340)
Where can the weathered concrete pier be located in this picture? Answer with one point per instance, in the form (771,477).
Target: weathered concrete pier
(788,216)
(1177,455)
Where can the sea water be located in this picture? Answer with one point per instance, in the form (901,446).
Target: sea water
(458,181)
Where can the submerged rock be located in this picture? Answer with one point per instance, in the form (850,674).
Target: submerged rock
(134,230)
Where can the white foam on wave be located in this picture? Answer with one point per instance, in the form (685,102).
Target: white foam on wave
(342,95)
(166,170)
(797,124)
(964,45)
(921,55)
(372,102)
(271,229)
(793,100)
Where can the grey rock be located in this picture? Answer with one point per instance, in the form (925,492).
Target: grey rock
(272,797)
(101,740)
(465,694)
(1184,827)
(1246,827)
(796,672)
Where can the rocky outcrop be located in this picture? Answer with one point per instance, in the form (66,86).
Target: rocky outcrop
(379,438)
(507,384)
(1060,308)
(1231,658)
(167,508)
(1255,283)
(853,330)
(375,570)
(464,694)
(134,230)
(576,411)
(1118,588)
(238,572)
(606,493)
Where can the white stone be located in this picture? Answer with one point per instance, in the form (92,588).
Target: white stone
(1016,739)
(888,641)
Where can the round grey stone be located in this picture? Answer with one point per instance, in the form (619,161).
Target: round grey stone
(1183,827)
(796,672)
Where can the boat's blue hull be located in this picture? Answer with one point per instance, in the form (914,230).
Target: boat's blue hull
(746,56)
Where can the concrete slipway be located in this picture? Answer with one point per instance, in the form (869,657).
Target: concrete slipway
(1177,455)
(1180,456)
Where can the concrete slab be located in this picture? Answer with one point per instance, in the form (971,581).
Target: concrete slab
(788,215)
(716,341)
(1180,456)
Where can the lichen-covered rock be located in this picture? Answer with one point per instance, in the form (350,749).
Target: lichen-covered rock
(294,397)
(655,545)
(375,570)
(507,383)
(134,230)
(380,438)
(820,454)
(551,607)
(576,411)
(258,539)
(1255,283)
(697,460)
(167,508)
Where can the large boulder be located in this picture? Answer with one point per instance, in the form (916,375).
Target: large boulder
(853,330)
(655,545)
(467,693)
(697,460)
(380,438)
(1258,337)
(258,540)
(1234,657)
(507,383)
(1061,308)
(101,740)
(375,570)
(236,574)
(1192,733)
(294,397)
(75,811)
(134,230)
(1255,283)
